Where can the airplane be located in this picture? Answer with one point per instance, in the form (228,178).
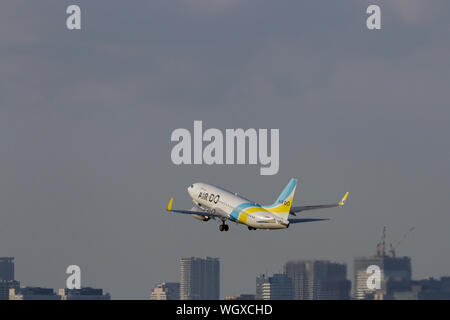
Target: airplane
(213,202)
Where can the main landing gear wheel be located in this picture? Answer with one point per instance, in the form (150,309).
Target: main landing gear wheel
(223,227)
(250,228)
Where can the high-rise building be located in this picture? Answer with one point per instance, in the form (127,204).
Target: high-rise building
(318,280)
(166,291)
(330,281)
(392,269)
(277,287)
(33,293)
(7,281)
(361,275)
(6,268)
(199,278)
(301,274)
(262,288)
(83,294)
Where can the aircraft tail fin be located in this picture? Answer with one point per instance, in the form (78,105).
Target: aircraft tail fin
(282,205)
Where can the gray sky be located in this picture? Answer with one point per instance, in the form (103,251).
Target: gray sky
(86,118)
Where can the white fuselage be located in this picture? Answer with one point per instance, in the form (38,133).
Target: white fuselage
(234,207)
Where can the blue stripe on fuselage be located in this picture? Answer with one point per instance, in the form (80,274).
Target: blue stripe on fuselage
(234,215)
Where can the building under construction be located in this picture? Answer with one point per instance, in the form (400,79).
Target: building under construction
(392,269)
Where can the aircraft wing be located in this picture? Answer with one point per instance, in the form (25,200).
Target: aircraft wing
(200,213)
(320,206)
(304,220)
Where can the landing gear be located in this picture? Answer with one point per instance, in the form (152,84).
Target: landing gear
(250,228)
(223,227)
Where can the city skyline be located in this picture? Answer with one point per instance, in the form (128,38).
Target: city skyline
(197,276)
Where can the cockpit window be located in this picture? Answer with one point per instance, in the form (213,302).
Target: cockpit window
(191,186)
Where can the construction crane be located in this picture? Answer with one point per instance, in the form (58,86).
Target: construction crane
(394,247)
(381,246)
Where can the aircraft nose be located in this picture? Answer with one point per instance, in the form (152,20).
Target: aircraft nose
(190,189)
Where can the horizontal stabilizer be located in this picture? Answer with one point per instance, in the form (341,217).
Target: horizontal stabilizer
(319,206)
(305,220)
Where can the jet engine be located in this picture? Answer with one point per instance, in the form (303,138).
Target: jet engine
(202,218)
(199,216)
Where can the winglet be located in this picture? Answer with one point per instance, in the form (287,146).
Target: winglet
(344,198)
(169,206)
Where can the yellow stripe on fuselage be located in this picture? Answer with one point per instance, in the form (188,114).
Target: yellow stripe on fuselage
(282,208)
(243,218)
